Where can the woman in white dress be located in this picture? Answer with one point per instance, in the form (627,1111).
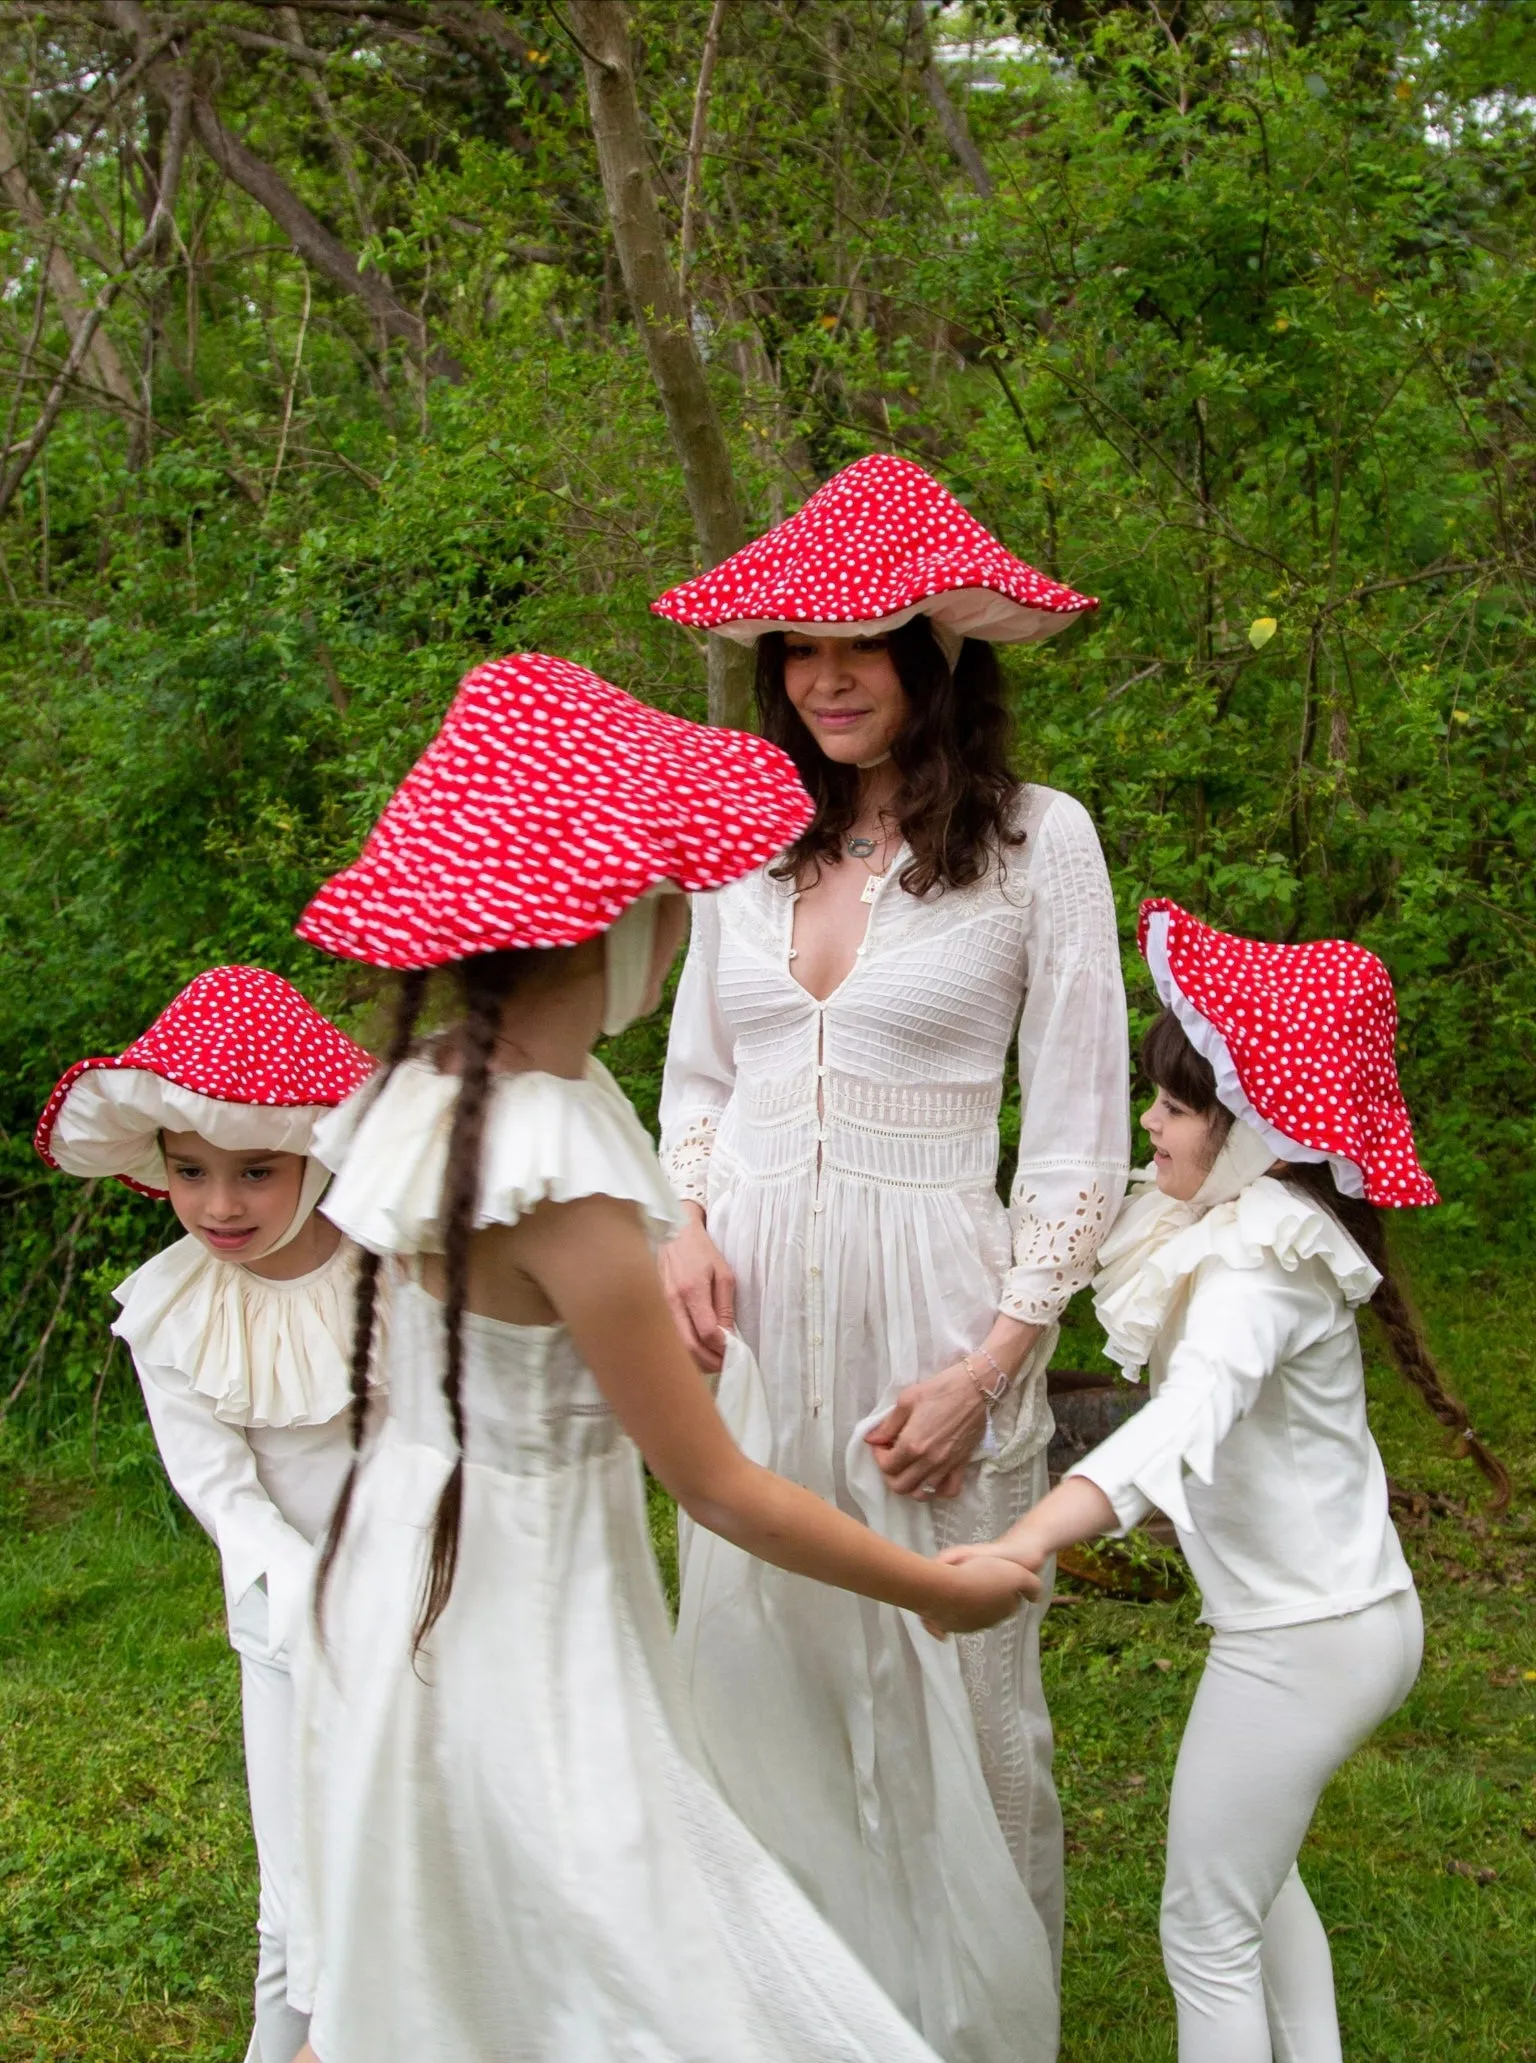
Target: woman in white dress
(830,1118)
(512,1849)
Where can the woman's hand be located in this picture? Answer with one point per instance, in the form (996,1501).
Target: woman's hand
(927,1438)
(988,1589)
(700,1289)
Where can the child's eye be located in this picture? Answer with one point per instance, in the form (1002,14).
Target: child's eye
(186,1173)
(258,1174)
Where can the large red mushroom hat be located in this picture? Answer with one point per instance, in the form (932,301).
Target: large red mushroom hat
(240,1058)
(880,543)
(1301,1039)
(549,804)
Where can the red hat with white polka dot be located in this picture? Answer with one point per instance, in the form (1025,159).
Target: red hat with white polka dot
(1301,1038)
(239,1057)
(882,542)
(546,805)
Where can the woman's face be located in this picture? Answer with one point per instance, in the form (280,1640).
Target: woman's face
(1183,1148)
(238,1204)
(847,693)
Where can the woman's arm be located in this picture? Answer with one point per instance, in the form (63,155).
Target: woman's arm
(696,1085)
(592,1260)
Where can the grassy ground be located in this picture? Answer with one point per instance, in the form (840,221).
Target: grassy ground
(127,1875)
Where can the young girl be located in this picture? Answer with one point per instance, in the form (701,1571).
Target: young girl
(512,1847)
(1277,1129)
(240,1333)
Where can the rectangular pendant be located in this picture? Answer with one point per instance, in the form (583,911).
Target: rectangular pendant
(871,889)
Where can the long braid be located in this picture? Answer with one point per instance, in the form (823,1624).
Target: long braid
(1400,1328)
(484,987)
(408,1002)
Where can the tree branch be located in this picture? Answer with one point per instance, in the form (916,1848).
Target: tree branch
(696,136)
(957,133)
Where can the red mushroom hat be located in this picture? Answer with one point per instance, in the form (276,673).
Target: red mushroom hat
(1301,1038)
(239,1057)
(546,805)
(880,543)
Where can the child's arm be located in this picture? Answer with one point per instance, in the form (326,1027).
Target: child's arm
(593,1262)
(213,1471)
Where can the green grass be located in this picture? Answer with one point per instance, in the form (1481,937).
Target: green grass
(127,1877)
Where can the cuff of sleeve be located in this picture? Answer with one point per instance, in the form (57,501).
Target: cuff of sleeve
(685,1158)
(289,1575)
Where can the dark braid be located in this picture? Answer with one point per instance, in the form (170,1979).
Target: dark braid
(1172,1063)
(485,983)
(408,1001)
(1394,1314)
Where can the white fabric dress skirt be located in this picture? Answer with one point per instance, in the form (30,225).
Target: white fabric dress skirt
(512,1848)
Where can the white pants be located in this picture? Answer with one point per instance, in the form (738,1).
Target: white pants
(1276,1713)
(267,1704)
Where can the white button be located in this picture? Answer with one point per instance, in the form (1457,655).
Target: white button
(815,1339)
(815,1271)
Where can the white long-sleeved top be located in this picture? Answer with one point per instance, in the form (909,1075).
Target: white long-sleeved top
(245,1382)
(1255,1441)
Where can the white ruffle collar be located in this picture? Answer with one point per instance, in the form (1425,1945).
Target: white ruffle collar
(546,1138)
(267,1354)
(1157,1243)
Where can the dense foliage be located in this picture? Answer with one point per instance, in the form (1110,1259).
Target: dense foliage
(1228,322)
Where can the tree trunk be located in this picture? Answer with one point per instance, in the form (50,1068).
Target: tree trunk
(69,296)
(655,294)
(957,133)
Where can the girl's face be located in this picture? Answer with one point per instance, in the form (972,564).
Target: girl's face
(847,693)
(238,1204)
(1183,1150)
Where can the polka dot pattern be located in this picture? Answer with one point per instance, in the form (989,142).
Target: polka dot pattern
(548,802)
(1311,1031)
(237,1035)
(881,539)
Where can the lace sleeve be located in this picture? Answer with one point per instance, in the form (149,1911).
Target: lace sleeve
(700,1072)
(1074,1072)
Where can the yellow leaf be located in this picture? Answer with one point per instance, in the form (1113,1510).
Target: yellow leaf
(829,322)
(1260,631)
(1281,323)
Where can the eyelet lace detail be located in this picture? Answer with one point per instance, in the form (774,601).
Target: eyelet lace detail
(686,1159)
(1064,1243)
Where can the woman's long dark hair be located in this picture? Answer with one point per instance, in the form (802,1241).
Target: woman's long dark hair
(957,790)
(1171,1063)
(484,984)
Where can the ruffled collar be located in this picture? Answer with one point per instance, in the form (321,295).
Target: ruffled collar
(267,1354)
(1157,1243)
(545,1137)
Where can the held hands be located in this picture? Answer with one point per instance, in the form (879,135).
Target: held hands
(987,1588)
(700,1289)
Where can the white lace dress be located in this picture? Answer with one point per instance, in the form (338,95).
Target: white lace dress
(511,1849)
(846,1155)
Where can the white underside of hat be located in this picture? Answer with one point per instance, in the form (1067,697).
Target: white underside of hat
(111,1120)
(969,612)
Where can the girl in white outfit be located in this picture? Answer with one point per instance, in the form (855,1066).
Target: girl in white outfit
(835,1073)
(513,1850)
(241,1335)
(1236,1273)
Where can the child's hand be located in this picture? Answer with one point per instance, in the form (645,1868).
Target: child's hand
(1014,1547)
(985,1589)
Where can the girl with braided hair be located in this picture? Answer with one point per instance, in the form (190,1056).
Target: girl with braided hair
(241,1336)
(513,1848)
(1278,1130)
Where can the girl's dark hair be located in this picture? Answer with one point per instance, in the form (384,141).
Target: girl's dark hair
(957,789)
(1171,1063)
(484,983)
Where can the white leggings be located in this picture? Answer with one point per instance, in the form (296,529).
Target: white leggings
(267,1704)
(1276,1713)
